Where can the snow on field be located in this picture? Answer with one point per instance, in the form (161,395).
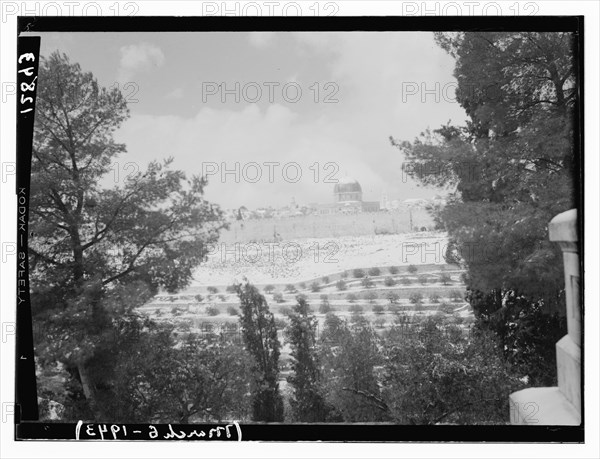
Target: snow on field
(304,260)
(296,260)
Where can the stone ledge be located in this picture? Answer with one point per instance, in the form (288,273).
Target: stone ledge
(542,406)
(568,362)
(563,227)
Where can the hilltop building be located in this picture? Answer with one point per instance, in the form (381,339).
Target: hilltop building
(347,199)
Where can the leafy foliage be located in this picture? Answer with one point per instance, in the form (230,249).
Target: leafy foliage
(325,306)
(445,279)
(370,296)
(456,296)
(393,297)
(527,333)
(416,298)
(378,309)
(434,298)
(439,374)
(356,308)
(212,311)
(341,285)
(198,378)
(374,271)
(358,273)
(379,322)
(367,282)
(351,297)
(389,281)
(350,356)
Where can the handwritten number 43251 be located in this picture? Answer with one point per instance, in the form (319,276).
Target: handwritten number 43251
(25,86)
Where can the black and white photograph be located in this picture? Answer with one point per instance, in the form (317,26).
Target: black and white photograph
(311,224)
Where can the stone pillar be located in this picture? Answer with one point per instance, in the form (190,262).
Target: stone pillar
(563,229)
(559,405)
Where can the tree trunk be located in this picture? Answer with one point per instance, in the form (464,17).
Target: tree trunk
(88,386)
(184,417)
(77,258)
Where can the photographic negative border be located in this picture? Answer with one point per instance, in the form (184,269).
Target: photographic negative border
(28,50)
(26,410)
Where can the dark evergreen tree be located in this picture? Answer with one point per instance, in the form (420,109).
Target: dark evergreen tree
(511,170)
(259,332)
(97,252)
(308,404)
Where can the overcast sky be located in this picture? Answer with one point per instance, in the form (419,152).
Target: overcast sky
(177,108)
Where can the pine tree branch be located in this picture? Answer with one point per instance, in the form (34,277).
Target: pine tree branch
(460,407)
(379,403)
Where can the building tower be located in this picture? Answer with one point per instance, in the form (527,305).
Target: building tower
(347,190)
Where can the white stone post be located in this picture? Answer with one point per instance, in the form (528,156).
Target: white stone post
(559,405)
